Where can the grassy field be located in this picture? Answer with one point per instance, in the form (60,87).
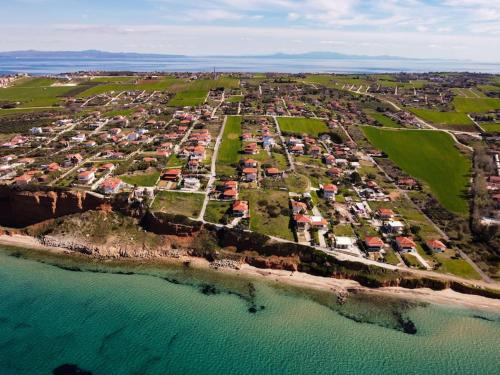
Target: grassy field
(229,150)
(411,260)
(443,118)
(390,257)
(491,127)
(188,98)
(430,156)
(216,211)
(269,212)
(458,267)
(188,204)
(301,125)
(126,84)
(194,93)
(469,105)
(36,92)
(384,120)
(143,179)
(235,99)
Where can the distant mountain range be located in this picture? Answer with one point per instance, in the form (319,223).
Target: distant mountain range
(94,54)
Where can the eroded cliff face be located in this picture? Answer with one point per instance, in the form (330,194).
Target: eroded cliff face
(20,208)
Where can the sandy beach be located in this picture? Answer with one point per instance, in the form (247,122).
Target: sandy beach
(295,279)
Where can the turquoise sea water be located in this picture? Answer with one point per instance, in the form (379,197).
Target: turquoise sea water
(181,321)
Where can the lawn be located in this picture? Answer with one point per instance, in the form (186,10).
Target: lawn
(142,179)
(430,156)
(301,125)
(297,183)
(491,127)
(187,204)
(216,211)
(469,105)
(229,150)
(36,92)
(269,212)
(443,118)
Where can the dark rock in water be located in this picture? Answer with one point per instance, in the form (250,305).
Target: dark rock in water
(70,369)
(408,326)
(16,254)
(173,281)
(252,310)
(262,307)
(69,268)
(483,318)
(208,290)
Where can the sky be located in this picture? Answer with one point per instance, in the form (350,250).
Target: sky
(455,29)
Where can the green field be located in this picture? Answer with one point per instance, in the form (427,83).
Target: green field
(194,93)
(216,211)
(143,179)
(36,92)
(469,105)
(235,98)
(443,118)
(384,120)
(269,212)
(187,204)
(188,98)
(302,125)
(491,127)
(229,150)
(458,267)
(430,156)
(128,85)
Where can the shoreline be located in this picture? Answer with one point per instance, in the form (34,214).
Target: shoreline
(446,297)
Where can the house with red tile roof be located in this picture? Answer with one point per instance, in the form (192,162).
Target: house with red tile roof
(385,213)
(111,185)
(240,209)
(436,246)
(273,172)
(249,174)
(405,245)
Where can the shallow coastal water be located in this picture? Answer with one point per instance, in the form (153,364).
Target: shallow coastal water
(181,321)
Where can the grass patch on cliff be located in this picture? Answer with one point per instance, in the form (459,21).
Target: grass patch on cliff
(269,212)
(172,202)
(455,265)
(429,156)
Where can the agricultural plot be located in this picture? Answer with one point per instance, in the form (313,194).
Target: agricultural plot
(194,93)
(188,98)
(302,125)
(469,105)
(229,150)
(269,212)
(451,119)
(37,92)
(187,204)
(429,156)
(491,127)
(126,84)
(384,120)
